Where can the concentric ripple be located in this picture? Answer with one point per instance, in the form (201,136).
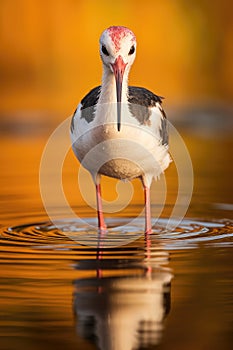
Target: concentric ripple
(66,235)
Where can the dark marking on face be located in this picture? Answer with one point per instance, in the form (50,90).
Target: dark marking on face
(104,50)
(132,50)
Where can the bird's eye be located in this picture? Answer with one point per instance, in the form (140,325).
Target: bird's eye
(131,51)
(104,50)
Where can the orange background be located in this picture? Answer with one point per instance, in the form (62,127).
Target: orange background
(49,51)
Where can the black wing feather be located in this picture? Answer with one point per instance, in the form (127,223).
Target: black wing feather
(136,96)
(88,104)
(147,99)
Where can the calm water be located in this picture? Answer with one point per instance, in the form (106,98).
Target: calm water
(170,290)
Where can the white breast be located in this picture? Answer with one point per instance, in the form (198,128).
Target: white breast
(135,151)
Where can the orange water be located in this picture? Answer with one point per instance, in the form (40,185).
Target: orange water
(172,290)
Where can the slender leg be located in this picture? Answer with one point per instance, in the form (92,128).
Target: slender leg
(148,255)
(99,272)
(148,229)
(101,223)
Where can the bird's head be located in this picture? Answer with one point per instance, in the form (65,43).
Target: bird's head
(117,51)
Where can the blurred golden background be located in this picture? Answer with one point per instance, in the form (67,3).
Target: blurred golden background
(50,59)
(49,51)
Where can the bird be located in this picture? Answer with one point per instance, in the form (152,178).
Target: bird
(118,130)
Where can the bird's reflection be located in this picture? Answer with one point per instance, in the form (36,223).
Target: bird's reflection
(124,304)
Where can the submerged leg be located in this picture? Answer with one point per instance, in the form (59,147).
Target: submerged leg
(148,229)
(101,223)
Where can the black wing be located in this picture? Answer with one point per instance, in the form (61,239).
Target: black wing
(87,106)
(143,97)
(147,99)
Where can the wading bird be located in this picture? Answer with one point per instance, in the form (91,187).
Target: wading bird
(118,130)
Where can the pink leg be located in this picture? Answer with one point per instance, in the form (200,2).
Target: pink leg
(148,254)
(101,223)
(148,229)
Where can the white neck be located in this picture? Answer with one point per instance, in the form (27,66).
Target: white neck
(108,87)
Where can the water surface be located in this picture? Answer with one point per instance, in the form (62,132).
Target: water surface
(63,288)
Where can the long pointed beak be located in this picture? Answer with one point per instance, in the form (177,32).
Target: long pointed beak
(119,69)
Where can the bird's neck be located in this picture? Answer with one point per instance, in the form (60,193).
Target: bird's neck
(108,87)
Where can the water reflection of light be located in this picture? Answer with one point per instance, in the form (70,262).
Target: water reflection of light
(123,308)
